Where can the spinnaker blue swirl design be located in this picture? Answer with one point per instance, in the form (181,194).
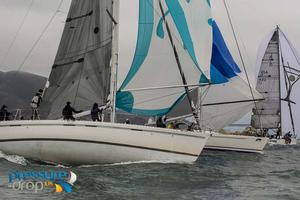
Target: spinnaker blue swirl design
(125,100)
(145,29)
(223,66)
(208,2)
(178,16)
(160,27)
(130,101)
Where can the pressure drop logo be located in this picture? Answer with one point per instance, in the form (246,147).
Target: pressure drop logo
(36,181)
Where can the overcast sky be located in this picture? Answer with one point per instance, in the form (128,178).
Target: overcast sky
(253,19)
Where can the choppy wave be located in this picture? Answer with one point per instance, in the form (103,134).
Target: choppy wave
(14,159)
(217,175)
(282,147)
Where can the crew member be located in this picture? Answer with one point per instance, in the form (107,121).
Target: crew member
(4,114)
(288,138)
(96,113)
(161,122)
(35,103)
(68,110)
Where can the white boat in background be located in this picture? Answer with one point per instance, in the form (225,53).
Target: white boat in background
(238,143)
(278,81)
(275,141)
(161,71)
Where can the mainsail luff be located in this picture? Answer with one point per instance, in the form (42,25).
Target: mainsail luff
(279,80)
(81,70)
(114,61)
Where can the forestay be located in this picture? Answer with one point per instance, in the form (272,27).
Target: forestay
(145,50)
(81,70)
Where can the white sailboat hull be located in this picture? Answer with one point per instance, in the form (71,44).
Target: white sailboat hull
(248,144)
(82,142)
(282,142)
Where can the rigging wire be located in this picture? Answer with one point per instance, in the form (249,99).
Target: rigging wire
(243,63)
(288,84)
(40,36)
(17,33)
(291,46)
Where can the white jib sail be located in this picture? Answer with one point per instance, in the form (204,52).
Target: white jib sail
(290,58)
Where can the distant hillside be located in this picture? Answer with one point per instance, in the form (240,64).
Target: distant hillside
(18,88)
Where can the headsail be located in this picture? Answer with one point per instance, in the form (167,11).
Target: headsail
(81,70)
(229,98)
(290,87)
(150,85)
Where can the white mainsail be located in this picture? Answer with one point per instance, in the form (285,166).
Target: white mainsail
(279,65)
(267,113)
(147,51)
(81,70)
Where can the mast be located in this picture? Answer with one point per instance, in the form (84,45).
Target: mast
(114,59)
(199,106)
(279,79)
(179,66)
(243,63)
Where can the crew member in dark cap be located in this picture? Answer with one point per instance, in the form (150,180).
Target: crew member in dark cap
(4,114)
(96,113)
(68,110)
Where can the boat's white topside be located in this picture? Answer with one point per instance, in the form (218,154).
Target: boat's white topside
(87,142)
(282,141)
(240,143)
(100,124)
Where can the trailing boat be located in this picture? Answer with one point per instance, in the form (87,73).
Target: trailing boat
(162,69)
(237,143)
(277,81)
(227,100)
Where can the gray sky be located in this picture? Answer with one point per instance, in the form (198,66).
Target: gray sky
(253,19)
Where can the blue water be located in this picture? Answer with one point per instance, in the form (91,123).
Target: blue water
(216,175)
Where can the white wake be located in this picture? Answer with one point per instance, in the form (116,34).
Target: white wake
(136,162)
(14,159)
